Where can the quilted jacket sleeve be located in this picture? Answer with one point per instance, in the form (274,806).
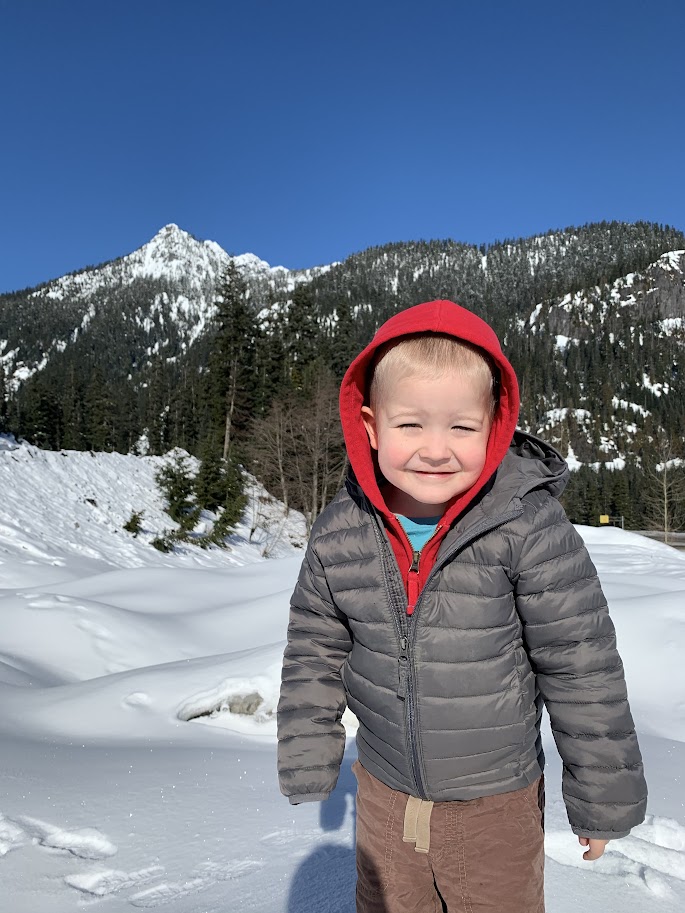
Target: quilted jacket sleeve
(571,645)
(311,737)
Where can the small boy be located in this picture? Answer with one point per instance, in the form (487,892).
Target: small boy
(444,597)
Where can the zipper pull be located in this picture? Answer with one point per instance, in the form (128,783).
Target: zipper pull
(403,661)
(413,582)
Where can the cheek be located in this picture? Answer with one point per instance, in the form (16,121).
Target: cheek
(474,455)
(391,453)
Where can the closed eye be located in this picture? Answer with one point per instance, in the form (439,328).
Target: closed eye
(409,425)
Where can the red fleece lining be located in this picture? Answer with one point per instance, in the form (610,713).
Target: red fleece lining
(437,317)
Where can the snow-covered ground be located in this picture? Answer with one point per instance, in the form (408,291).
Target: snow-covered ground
(130,778)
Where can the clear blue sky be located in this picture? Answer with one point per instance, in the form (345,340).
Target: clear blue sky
(305,130)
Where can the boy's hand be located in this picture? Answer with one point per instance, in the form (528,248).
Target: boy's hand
(596,847)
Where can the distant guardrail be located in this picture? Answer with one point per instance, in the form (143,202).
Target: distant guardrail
(676,540)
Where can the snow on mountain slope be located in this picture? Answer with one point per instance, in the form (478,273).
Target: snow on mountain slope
(574,313)
(57,506)
(172,254)
(175,278)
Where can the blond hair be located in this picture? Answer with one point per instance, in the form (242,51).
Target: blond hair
(431,355)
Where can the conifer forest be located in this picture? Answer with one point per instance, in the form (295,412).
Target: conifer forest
(240,364)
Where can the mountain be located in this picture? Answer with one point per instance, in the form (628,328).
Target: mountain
(616,352)
(158,297)
(592,318)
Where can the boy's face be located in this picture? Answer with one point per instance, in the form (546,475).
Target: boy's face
(431,435)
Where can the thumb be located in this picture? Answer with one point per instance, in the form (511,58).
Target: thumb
(595,848)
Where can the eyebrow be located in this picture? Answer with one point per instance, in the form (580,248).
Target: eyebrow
(457,416)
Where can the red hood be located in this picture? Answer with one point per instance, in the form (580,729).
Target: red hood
(437,317)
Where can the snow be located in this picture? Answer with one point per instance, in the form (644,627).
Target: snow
(572,460)
(172,254)
(130,778)
(624,404)
(190,268)
(656,388)
(671,325)
(670,261)
(534,315)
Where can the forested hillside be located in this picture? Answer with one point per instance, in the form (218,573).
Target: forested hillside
(179,344)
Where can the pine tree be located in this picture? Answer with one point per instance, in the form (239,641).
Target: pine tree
(344,344)
(231,377)
(231,488)
(134,524)
(234,498)
(573,500)
(210,481)
(301,334)
(42,415)
(73,410)
(156,409)
(621,502)
(176,483)
(99,413)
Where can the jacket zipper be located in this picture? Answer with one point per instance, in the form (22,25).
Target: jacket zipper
(413,576)
(413,582)
(392,576)
(406,631)
(410,699)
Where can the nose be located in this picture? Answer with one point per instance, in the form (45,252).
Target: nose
(435,449)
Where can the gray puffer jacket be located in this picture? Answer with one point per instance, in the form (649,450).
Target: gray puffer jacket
(449,699)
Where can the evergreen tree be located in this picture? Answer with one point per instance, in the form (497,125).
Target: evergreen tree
(301,334)
(42,416)
(103,367)
(222,488)
(156,409)
(73,410)
(177,485)
(100,411)
(344,342)
(573,500)
(210,481)
(271,376)
(621,502)
(234,498)
(134,524)
(230,386)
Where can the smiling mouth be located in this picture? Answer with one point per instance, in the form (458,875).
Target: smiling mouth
(433,472)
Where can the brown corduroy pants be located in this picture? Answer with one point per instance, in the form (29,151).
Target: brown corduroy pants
(477,856)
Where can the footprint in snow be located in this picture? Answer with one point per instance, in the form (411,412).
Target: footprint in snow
(99,884)
(11,836)
(653,849)
(204,877)
(86,842)
(46,602)
(290,835)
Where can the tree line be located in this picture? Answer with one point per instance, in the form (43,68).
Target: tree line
(258,388)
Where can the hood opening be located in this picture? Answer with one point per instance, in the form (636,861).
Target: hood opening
(451,319)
